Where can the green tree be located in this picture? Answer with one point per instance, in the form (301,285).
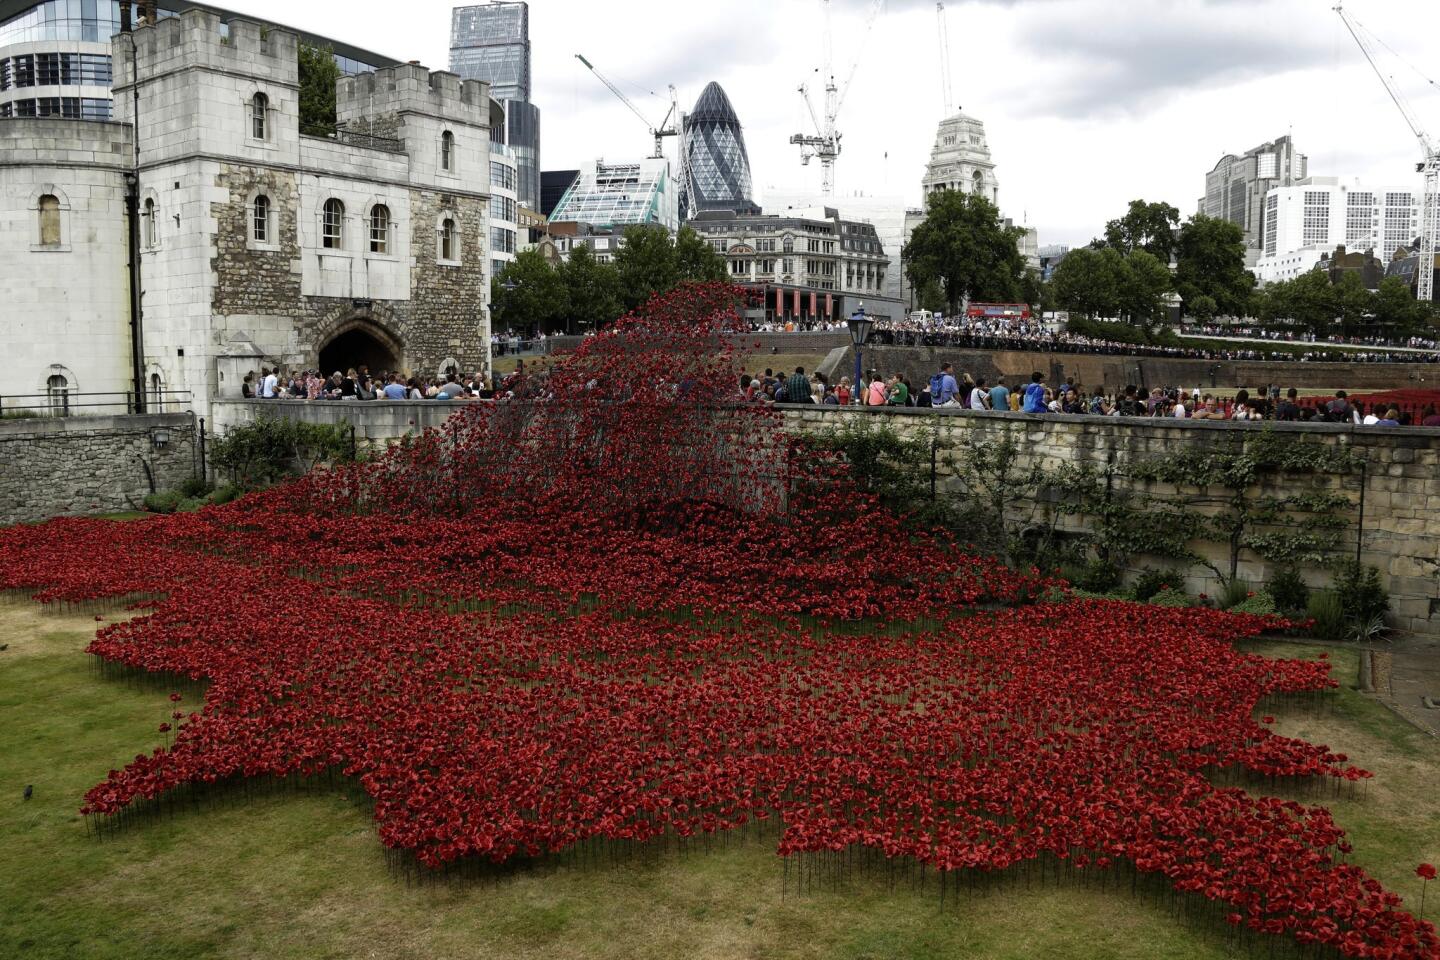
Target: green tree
(529,295)
(963,245)
(1210,262)
(697,260)
(592,289)
(1308,300)
(1396,309)
(1146,226)
(1145,282)
(318,76)
(1204,309)
(1088,282)
(1353,303)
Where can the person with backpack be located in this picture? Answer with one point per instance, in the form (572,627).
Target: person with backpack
(944,390)
(1035,394)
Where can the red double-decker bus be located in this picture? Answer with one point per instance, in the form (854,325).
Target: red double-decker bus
(998,311)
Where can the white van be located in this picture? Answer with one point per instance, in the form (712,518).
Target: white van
(921,316)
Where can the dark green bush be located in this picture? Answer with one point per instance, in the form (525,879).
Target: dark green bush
(194,487)
(1361,595)
(1328,613)
(165,502)
(191,504)
(1099,576)
(1262,604)
(225,493)
(263,452)
(1289,590)
(1170,597)
(1234,593)
(1151,582)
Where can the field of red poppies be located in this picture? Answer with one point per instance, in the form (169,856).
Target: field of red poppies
(620,611)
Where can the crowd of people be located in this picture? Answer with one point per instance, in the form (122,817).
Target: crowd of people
(1290,336)
(945,389)
(1009,333)
(357,383)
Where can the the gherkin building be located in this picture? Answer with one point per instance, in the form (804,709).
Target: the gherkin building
(717,169)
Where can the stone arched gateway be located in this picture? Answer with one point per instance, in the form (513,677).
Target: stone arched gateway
(360,341)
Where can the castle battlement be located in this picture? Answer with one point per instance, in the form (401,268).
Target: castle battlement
(411,88)
(197,38)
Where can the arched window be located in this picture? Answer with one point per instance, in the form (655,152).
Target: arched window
(447,151)
(50,220)
(979,180)
(379,228)
(149,223)
(788,245)
(449,249)
(260,228)
(57,390)
(259,109)
(332,225)
(157,393)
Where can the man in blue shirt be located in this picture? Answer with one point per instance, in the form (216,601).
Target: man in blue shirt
(1035,394)
(1000,396)
(943,389)
(395,390)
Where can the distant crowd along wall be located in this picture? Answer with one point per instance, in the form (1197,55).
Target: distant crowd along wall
(68,466)
(1114,372)
(1396,529)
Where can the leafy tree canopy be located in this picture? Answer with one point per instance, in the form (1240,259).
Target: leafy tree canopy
(1210,262)
(318,76)
(1146,226)
(964,247)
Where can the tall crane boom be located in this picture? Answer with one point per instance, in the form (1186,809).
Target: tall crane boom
(825,141)
(660,132)
(946,91)
(1429,165)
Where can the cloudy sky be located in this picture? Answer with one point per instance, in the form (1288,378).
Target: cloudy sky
(1088,103)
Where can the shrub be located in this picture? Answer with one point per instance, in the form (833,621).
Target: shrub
(194,487)
(191,504)
(1234,593)
(1262,604)
(1170,597)
(1289,590)
(165,502)
(1151,582)
(1099,576)
(225,493)
(1361,595)
(1328,613)
(270,448)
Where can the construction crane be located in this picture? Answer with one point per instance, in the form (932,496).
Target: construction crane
(946,91)
(825,141)
(1429,166)
(669,127)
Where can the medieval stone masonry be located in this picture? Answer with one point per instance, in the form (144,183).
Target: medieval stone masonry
(259,245)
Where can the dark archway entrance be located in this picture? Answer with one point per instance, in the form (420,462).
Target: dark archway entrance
(357,345)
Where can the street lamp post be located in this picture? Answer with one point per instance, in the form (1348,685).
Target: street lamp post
(860,326)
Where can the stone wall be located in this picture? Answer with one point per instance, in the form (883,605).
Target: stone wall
(1399,532)
(377,423)
(250,278)
(66,466)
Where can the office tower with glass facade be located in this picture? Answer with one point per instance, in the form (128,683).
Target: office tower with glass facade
(717,168)
(618,195)
(491,42)
(1236,188)
(55,54)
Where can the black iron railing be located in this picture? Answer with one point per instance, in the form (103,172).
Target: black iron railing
(61,402)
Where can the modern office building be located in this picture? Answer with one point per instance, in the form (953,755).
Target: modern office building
(717,168)
(553,184)
(253,244)
(1236,188)
(612,196)
(804,266)
(504,208)
(491,42)
(55,58)
(1318,214)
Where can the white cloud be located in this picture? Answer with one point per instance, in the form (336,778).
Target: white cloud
(1088,103)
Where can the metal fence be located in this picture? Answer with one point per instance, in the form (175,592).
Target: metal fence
(63,402)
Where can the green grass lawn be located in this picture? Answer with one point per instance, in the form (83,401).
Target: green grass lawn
(290,875)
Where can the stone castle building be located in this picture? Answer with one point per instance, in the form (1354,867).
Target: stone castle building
(257,244)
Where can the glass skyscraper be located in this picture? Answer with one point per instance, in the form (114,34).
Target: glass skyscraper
(717,168)
(491,42)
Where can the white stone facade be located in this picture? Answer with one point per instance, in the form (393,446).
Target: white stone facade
(65,320)
(260,246)
(1328,212)
(960,160)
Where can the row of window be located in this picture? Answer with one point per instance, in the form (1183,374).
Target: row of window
(54,69)
(262,226)
(71,108)
(502,175)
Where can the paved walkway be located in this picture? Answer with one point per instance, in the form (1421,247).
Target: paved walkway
(1412,669)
